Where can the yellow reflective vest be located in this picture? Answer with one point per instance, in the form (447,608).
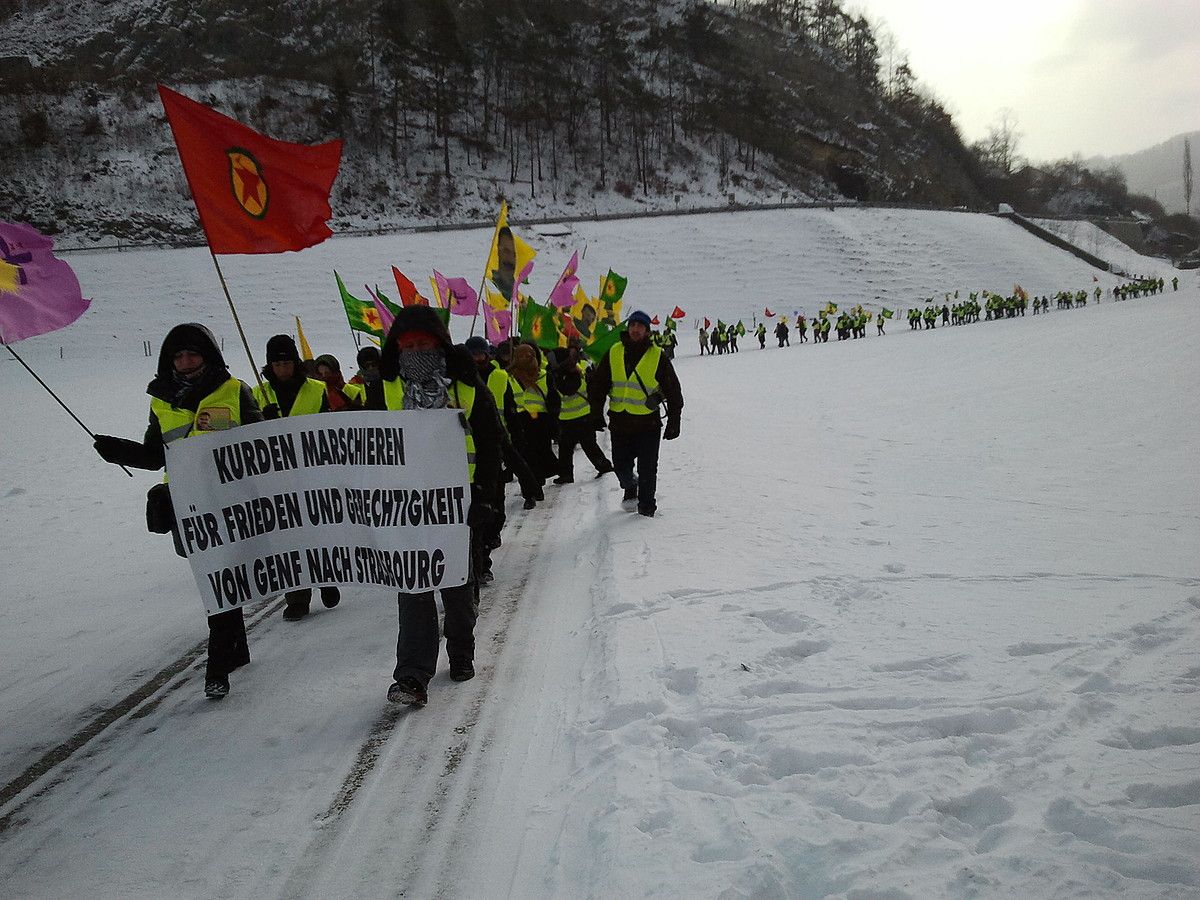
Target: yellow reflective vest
(626,394)
(576,406)
(462,396)
(308,398)
(531,400)
(218,411)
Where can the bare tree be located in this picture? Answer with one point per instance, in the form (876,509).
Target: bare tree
(1000,145)
(1187,176)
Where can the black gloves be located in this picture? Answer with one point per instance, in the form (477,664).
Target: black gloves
(271,411)
(672,430)
(111,449)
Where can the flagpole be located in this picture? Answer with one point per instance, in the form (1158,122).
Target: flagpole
(91,434)
(237,321)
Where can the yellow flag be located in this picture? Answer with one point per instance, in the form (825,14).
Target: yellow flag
(494,299)
(305,350)
(508,256)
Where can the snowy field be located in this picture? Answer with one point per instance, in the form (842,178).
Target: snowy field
(918,616)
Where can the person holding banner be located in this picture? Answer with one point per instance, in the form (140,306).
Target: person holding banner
(192,392)
(421,369)
(286,392)
(636,377)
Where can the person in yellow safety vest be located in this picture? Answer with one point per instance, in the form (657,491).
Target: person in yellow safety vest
(531,418)
(341,396)
(284,392)
(421,369)
(192,392)
(575,423)
(636,378)
(368,367)
(496,378)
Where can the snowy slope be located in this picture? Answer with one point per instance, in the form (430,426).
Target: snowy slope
(917,617)
(1095,240)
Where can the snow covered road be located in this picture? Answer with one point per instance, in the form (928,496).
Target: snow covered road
(918,618)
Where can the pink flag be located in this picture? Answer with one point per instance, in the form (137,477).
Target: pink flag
(563,294)
(456,294)
(386,318)
(38,293)
(497,323)
(519,280)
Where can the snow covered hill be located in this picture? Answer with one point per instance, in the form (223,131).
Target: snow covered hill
(917,617)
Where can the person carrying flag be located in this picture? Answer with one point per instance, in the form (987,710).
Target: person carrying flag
(192,392)
(636,378)
(285,392)
(576,426)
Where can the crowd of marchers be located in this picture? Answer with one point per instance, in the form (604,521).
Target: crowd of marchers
(851,324)
(526,411)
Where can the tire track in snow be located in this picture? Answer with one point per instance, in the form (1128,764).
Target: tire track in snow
(138,703)
(454,712)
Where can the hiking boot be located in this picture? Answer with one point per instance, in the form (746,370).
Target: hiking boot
(216,687)
(330,597)
(409,691)
(564,479)
(486,577)
(464,672)
(604,470)
(630,492)
(646,510)
(530,503)
(294,613)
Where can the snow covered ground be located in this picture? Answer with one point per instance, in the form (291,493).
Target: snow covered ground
(917,618)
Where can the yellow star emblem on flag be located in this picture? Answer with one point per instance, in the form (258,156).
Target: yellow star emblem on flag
(371,317)
(9,278)
(247,182)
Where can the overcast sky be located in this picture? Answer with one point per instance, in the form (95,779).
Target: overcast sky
(1088,76)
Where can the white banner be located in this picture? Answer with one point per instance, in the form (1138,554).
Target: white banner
(372,499)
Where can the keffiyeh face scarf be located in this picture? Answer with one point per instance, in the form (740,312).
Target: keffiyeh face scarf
(425,382)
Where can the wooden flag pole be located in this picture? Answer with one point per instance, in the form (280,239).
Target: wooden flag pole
(237,321)
(91,434)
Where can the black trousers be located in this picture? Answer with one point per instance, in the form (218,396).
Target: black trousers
(419,637)
(302,598)
(581,432)
(640,448)
(227,647)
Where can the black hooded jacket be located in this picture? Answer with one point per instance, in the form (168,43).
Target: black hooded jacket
(484,421)
(189,336)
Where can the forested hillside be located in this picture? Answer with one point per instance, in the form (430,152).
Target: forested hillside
(444,106)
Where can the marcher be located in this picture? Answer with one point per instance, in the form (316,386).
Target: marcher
(703,341)
(531,418)
(761,333)
(421,369)
(192,392)
(781,334)
(286,392)
(499,386)
(575,423)
(636,378)
(341,396)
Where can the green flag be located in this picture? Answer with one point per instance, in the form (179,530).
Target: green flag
(539,324)
(886,313)
(361,314)
(613,289)
(603,338)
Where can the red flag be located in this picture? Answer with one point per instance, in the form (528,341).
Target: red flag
(707,324)
(677,313)
(409,296)
(655,321)
(768,313)
(254,194)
